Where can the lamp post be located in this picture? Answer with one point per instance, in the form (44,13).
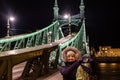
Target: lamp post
(49,38)
(69,19)
(68,16)
(8,25)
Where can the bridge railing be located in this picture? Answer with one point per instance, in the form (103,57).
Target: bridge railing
(37,54)
(43,36)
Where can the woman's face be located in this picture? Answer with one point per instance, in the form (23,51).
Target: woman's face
(70,56)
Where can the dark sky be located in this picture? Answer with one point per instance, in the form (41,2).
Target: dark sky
(101,17)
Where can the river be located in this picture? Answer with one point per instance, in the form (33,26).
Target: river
(108,71)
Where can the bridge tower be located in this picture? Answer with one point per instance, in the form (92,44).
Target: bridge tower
(82,9)
(56,10)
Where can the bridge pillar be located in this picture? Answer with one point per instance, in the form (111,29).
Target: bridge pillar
(38,65)
(56,59)
(45,60)
(9,70)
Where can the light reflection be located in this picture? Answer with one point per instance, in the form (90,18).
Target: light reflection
(51,44)
(113,64)
(102,64)
(110,71)
(12,52)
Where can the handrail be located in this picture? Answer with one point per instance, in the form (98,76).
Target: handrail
(14,57)
(19,37)
(32,39)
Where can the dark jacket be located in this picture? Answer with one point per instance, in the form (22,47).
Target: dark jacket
(69,70)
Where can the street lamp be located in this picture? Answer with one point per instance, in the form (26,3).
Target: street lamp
(68,16)
(49,36)
(8,25)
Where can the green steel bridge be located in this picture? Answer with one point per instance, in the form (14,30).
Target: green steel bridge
(43,47)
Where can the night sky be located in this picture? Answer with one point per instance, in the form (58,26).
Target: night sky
(31,15)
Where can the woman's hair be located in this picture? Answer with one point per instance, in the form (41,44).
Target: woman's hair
(75,50)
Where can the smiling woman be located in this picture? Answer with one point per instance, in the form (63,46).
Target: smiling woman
(73,68)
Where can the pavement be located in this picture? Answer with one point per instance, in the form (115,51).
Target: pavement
(54,76)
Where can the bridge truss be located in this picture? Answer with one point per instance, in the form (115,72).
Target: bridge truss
(42,47)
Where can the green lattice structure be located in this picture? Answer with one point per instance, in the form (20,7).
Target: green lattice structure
(30,47)
(49,34)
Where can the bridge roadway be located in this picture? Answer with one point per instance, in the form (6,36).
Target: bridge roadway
(54,74)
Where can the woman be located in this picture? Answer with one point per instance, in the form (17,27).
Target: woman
(72,59)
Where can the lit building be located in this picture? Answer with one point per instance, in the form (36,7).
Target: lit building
(108,51)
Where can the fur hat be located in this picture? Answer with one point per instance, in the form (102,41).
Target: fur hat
(64,53)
